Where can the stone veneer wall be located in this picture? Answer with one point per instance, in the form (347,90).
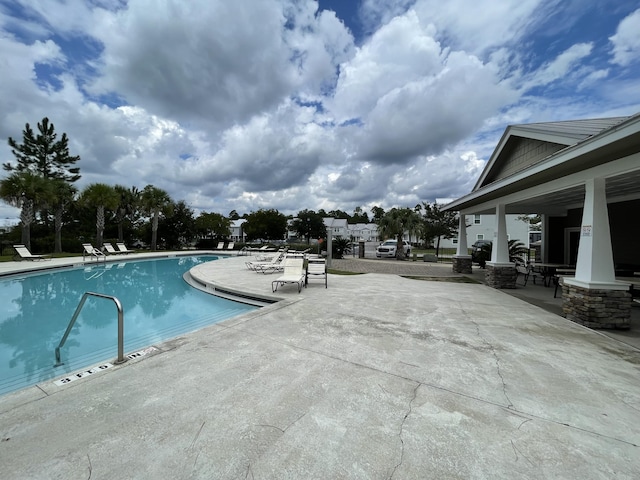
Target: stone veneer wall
(596,308)
(461,264)
(501,277)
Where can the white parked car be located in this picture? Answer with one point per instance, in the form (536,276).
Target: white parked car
(387,249)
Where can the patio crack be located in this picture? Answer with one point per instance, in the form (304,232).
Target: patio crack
(497,362)
(282,430)
(404,419)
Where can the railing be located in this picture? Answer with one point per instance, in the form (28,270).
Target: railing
(120,358)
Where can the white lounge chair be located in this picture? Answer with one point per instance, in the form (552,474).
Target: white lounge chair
(220,246)
(316,269)
(93,253)
(122,248)
(293,273)
(110,250)
(274,265)
(262,257)
(262,249)
(23,253)
(230,246)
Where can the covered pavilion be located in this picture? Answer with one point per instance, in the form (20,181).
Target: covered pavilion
(583,178)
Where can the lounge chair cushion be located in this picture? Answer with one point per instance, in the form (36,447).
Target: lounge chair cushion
(92,252)
(123,248)
(23,253)
(293,273)
(110,250)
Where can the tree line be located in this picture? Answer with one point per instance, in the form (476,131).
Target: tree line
(54,213)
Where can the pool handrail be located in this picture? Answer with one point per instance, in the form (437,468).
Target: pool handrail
(121,358)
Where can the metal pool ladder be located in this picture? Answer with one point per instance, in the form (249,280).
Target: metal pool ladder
(120,358)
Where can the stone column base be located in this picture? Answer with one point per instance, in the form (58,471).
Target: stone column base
(501,275)
(461,263)
(596,308)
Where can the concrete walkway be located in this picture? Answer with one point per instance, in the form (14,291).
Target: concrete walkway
(376,377)
(533,293)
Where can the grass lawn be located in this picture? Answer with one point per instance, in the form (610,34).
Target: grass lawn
(342,272)
(9,258)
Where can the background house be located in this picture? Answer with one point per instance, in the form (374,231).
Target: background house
(237,233)
(482,227)
(367,232)
(336,227)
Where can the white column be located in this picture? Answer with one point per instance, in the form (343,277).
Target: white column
(544,250)
(595,256)
(462,236)
(500,248)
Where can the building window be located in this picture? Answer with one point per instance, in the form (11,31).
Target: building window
(476,220)
(480,236)
(454,241)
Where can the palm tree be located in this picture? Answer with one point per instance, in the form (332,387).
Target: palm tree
(28,191)
(153,201)
(129,201)
(517,251)
(100,196)
(62,194)
(394,223)
(412,223)
(340,246)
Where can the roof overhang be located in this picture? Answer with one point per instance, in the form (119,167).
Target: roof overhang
(557,183)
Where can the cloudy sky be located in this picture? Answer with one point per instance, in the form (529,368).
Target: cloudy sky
(303,104)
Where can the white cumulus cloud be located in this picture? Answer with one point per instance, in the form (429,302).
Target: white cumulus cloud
(626,41)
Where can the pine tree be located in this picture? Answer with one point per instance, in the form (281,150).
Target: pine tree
(41,154)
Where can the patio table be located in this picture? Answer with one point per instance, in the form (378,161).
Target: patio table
(548,270)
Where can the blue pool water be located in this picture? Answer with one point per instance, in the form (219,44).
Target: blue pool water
(158,305)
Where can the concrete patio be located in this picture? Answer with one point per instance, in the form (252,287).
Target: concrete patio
(376,377)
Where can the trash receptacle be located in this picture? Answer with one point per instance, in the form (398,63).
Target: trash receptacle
(361,249)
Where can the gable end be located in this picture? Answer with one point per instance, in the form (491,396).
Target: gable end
(520,153)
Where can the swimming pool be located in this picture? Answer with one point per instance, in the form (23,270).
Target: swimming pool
(158,305)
